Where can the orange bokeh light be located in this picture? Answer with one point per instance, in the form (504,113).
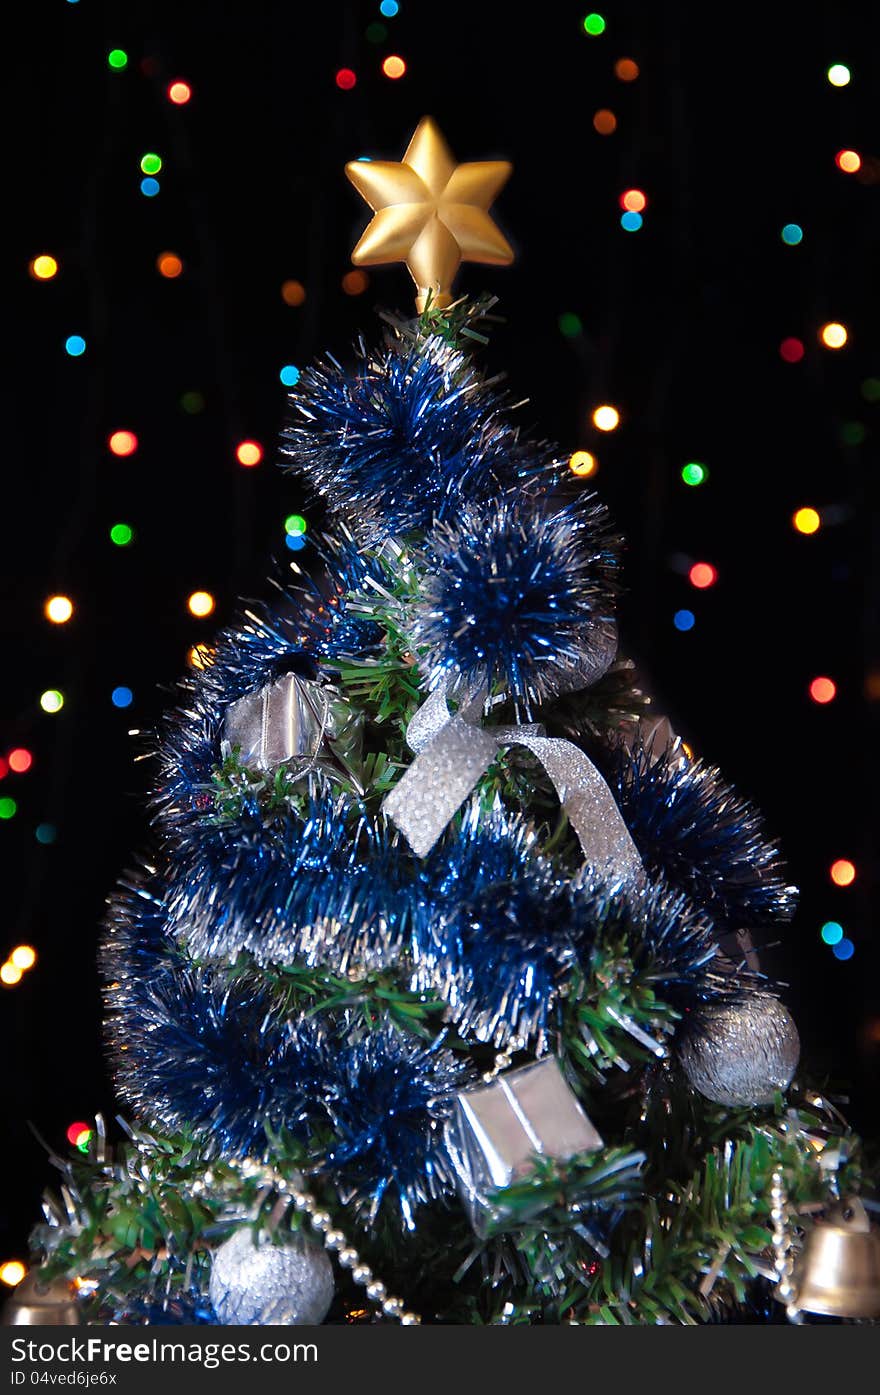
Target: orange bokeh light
(833,335)
(293,292)
(702,574)
(179,93)
(850,161)
(123,443)
(355,282)
(169,264)
(605,122)
(201,603)
(823,690)
(634,201)
(249,453)
(626,70)
(20,761)
(394,66)
(843,872)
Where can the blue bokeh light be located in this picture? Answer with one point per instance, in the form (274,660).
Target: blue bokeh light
(844,949)
(684,619)
(289,375)
(122,697)
(75,345)
(631,222)
(150,187)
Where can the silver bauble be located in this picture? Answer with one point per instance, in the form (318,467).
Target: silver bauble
(255,1283)
(741,1053)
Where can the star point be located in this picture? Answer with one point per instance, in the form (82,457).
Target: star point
(430,213)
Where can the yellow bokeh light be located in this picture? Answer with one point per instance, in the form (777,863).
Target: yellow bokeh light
(833,335)
(43,268)
(12,1272)
(807,521)
(201,656)
(583,463)
(688,750)
(606,418)
(58,609)
(9,973)
(24,957)
(850,161)
(201,603)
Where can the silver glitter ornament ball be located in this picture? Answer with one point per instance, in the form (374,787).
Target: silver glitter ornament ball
(741,1053)
(255,1283)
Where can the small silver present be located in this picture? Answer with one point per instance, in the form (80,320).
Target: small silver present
(298,722)
(497,1129)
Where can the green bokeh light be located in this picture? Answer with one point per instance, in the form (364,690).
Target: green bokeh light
(117,58)
(295,524)
(151,163)
(852,433)
(871,389)
(192,403)
(594,24)
(52,700)
(832,932)
(8,807)
(693,473)
(570,325)
(121,534)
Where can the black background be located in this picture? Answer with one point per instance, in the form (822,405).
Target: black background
(731,129)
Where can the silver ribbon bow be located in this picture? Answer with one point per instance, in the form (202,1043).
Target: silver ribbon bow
(453,752)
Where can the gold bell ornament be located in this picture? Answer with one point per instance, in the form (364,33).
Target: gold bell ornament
(41,1302)
(838,1270)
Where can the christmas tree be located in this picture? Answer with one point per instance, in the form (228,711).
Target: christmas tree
(437,965)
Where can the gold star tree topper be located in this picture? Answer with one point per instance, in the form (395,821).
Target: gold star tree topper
(430,213)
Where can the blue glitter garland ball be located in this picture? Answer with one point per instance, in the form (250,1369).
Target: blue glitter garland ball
(387,1096)
(214,1057)
(695,831)
(401,440)
(516,594)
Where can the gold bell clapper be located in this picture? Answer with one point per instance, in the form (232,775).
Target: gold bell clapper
(41,1302)
(838,1271)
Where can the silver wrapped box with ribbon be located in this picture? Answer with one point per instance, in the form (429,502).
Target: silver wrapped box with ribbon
(496,1131)
(298,722)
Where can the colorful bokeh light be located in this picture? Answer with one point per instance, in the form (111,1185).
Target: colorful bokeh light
(9,974)
(807,521)
(12,1272)
(594,25)
(169,265)
(179,93)
(626,70)
(631,222)
(394,66)
(75,1131)
(249,453)
(122,697)
(43,268)
(200,656)
(842,872)
(75,345)
(151,163)
(289,375)
(117,59)
(20,760)
(605,122)
(694,473)
(388,8)
(52,700)
(832,932)
(684,620)
(570,324)
(823,690)
(201,603)
(45,833)
(346,79)
(293,292)
(295,525)
(833,335)
(849,161)
(791,350)
(792,234)
(702,575)
(192,403)
(355,282)
(150,187)
(58,609)
(838,75)
(121,534)
(583,463)
(606,418)
(24,957)
(122,443)
(8,807)
(844,949)
(634,200)
(294,541)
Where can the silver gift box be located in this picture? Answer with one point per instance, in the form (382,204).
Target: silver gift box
(296,722)
(496,1130)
